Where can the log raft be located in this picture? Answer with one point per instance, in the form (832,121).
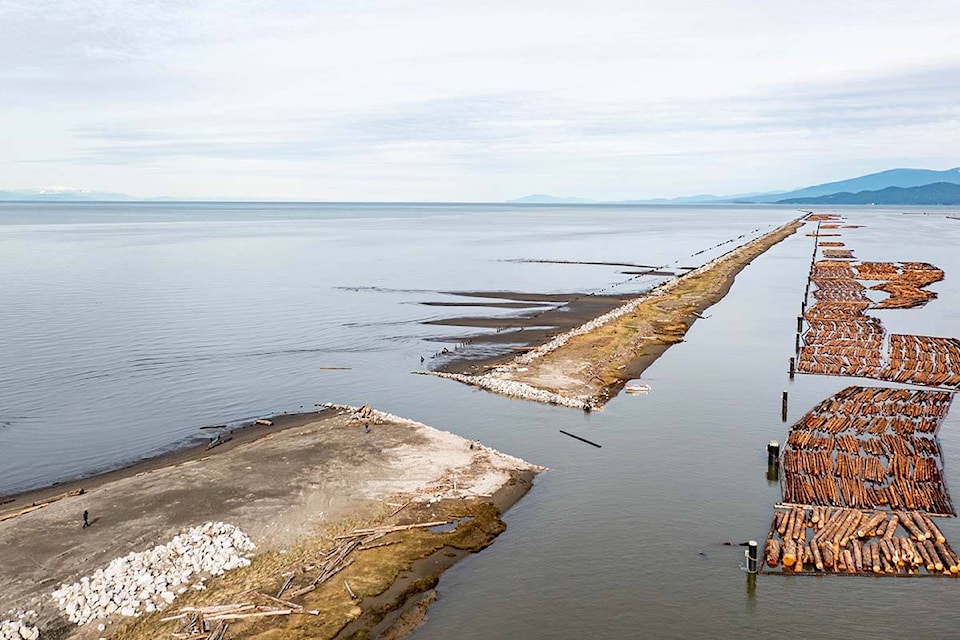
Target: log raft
(869,448)
(849,544)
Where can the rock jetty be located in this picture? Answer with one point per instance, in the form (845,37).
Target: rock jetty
(150,580)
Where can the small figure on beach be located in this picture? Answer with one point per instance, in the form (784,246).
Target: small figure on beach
(86,519)
(421,360)
(366,428)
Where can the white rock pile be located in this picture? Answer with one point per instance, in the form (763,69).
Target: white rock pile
(20,626)
(516,389)
(150,580)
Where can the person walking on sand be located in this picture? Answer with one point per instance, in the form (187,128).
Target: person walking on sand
(86,519)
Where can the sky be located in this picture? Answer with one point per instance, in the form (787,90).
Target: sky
(472,101)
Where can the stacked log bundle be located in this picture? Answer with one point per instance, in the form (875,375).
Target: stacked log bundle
(838,254)
(869,447)
(841,340)
(821,540)
(923,360)
(862,471)
(904,281)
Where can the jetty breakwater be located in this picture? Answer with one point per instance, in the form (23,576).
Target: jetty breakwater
(584,367)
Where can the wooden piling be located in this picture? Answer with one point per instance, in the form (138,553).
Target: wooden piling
(752,550)
(783,408)
(773,452)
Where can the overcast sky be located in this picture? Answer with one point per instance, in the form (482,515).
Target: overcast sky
(450,100)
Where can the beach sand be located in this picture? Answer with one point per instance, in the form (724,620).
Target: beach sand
(291,487)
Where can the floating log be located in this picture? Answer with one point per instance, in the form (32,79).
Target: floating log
(848,561)
(921,525)
(857,555)
(891,527)
(946,558)
(817,558)
(933,555)
(932,528)
(772,553)
(827,553)
(580,439)
(789,553)
(869,527)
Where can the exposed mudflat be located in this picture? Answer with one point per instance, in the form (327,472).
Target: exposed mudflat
(521,332)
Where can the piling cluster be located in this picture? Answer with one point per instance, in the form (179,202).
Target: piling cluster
(150,580)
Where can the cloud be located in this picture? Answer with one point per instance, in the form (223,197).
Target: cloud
(467,102)
(528,122)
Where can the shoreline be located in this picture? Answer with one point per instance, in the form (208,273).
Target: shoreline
(293,487)
(245,432)
(584,367)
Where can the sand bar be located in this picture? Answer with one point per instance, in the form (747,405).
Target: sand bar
(292,487)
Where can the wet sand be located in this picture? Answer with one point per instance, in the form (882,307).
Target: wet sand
(291,487)
(584,367)
(583,262)
(493,305)
(522,332)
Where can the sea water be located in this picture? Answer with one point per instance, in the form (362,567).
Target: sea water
(124,327)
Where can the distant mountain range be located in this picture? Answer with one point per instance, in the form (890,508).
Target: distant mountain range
(938,193)
(895,186)
(540,198)
(901,179)
(62,195)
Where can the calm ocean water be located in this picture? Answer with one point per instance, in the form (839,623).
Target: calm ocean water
(126,327)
